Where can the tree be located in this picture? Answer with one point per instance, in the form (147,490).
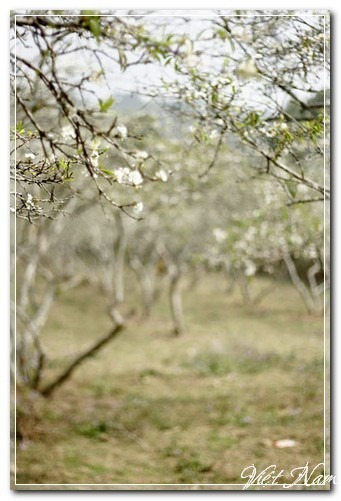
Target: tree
(64,122)
(256,76)
(260,77)
(240,135)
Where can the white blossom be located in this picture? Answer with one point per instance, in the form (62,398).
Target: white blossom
(95,144)
(188,46)
(247,69)
(250,268)
(122,131)
(239,32)
(30,156)
(29,200)
(138,208)
(94,158)
(215,82)
(191,60)
(270,133)
(136,178)
(141,154)
(296,239)
(219,234)
(68,132)
(95,76)
(161,174)
(124,175)
(214,134)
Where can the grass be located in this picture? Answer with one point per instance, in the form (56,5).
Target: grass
(196,409)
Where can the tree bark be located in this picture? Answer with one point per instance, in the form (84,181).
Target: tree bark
(314,287)
(176,305)
(120,254)
(175,298)
(66,374)
(298,283)
(146,277)
(244,287)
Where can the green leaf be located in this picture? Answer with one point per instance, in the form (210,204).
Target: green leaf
(253,119)
(20,127)
(95,27)
(156,54)
(222,34)
(215,97)
(105,105)
(63,165)
(292,188)
(107,171)
(168,60)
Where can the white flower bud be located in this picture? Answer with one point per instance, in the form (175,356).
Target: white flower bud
(162,174)
(138,207)
(136,178)
(122,131)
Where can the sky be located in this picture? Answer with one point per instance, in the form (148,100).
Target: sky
(141,77)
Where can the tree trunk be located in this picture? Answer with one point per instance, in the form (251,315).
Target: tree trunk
(176,305)
(230,276)
(197,273)
(146,277)
(244,287)
(298,283)
(316,289)
(120,254)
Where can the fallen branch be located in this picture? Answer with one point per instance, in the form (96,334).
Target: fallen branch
(50,388)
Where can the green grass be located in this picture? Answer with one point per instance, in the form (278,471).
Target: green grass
(151,408)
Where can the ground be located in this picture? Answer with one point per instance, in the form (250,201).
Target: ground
(195,409)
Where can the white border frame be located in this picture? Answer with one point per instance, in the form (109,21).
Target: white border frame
(203,15)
